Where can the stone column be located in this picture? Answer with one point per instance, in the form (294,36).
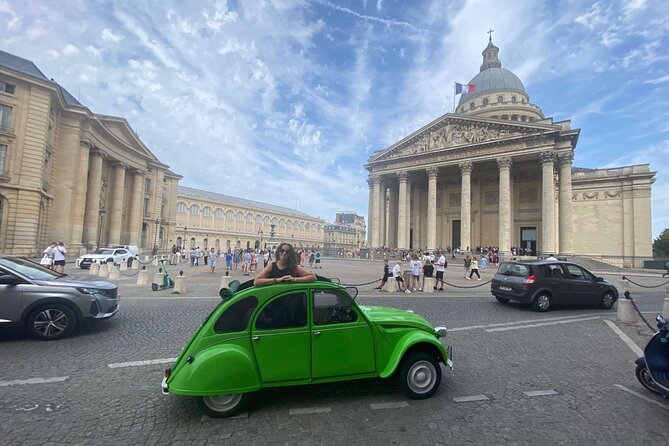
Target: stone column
(376,229)
(407,227)
(382,213)
(79,195)
(136,211)
(565,211)
(369,213)
(547,203)
(393,206)
(92,215)
(432,209)
(466,206)
(505,220)
(116,215)
(402,212)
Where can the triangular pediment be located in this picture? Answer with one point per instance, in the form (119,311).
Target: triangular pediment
(121,130)
(453,132)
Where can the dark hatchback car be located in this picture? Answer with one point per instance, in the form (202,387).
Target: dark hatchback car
(48,305)
(545,283)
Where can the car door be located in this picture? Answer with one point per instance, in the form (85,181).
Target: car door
(120,256)
(555,278)
(11,296)
(341,339)
(580,288)
(280,338)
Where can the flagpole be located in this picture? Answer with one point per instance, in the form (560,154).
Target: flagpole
(454,87)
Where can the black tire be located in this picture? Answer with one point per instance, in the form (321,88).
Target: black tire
(542,303)
(420,376)
(643,375)
(129,262)
(154,286)
(51,321)
(502,299)
(221,406)
(608,299)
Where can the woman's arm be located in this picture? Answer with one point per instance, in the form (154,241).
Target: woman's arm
(262,279)
(304,275)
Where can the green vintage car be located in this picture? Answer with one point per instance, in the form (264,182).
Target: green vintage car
(302,333)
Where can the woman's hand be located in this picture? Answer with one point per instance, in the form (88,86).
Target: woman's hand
(288,278)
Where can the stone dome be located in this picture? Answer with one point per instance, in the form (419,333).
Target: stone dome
(493,79)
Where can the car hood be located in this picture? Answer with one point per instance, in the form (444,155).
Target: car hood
(99,284)
(389,317)
(96,256)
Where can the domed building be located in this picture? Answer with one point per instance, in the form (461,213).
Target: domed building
(497,173)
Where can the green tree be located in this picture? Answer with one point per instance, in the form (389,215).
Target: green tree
(661,244)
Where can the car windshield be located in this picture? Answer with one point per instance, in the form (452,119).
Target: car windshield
(29,269)
(514,269)
(106,252)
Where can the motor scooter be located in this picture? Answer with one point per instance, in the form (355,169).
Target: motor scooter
(652,369)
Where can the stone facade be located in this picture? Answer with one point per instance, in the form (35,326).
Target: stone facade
(347,234)
(498,173)
(211,220)
(69,174)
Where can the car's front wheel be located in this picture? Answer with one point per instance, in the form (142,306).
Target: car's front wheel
(221,406)
(608,300)
(420,375)
(542,302)
(51,322)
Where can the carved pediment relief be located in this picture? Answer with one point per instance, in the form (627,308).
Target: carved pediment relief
(452,133)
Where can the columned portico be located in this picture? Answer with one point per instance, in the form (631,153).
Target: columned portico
(565,231)
(547,203)
(466,205)
(116,217)
(136,212)
(402,212)
(504,245)
(92,216)
(376,229)
(432,208)
(79,192)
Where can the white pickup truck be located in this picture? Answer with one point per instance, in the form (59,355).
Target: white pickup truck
(104,255)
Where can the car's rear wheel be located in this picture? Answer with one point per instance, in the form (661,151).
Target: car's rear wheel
(543,302)
(643,375)
(221,406)
(51,322)
(420,375)
(608,299)
(501,299)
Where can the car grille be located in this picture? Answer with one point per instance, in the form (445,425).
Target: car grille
(109,293)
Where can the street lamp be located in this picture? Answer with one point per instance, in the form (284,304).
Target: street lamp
(102,213)
(260,231)
(292,238)
(155,238)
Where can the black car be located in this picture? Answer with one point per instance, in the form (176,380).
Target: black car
(546,283)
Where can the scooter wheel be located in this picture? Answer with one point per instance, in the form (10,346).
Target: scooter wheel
(643,375)
(171,283)
(154,286)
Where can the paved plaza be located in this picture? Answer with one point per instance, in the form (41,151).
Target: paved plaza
(520,377)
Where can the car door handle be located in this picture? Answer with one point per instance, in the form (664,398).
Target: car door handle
(255,338)
(316,333)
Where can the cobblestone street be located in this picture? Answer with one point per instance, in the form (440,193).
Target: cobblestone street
(520,377)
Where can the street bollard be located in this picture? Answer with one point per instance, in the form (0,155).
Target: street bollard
(225,281)
(135,263)
(124,266)
(391,285)
(159,278)
(114,272)
(143,277)
(103,271)
(623,285)
(179,285)
(428,284)
(665,308)
(155,261)
(147,259)
(95,269)
(626,312)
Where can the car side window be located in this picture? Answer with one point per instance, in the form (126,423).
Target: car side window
(575,272)
(331,308)
(288,311)
(552,271)
(236,317)
(122,252)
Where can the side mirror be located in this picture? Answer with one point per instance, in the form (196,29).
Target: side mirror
(8,279)
(599,279)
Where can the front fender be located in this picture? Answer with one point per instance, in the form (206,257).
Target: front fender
(218,370)
(408,341)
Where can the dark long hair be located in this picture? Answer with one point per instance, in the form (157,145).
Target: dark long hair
(291,261)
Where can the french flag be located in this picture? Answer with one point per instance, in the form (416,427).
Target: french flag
(464,88)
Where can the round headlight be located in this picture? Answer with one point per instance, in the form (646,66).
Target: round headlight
(441,331)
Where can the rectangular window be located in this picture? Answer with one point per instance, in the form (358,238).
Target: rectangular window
(3,159)
(146,205)
(147,185)
(5,116)
(7,88)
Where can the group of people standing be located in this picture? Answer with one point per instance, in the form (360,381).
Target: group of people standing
(54,257)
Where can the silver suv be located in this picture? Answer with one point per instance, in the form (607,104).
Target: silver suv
(49,306)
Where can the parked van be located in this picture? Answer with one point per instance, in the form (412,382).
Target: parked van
(132,249)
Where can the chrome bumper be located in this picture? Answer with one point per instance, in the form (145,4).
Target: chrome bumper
(163,386)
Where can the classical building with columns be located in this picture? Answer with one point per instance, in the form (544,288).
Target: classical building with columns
(69,174)
(497,173)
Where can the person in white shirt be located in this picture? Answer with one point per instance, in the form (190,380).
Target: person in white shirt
(551,258)
(415,266)
(397,274)
(474,268)
(59,257)
(439,268)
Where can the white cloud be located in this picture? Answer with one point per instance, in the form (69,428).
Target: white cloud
(109,36)
(70,50)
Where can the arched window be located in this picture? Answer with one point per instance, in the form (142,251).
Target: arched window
(181,208)
(471,105)
(500,98)
(513,99)
(485,101)
(206,211)
(229,215)
(514,117)
(265,220)
(258,219)
(249,218)
(219,213)
(194,209)
(240,216)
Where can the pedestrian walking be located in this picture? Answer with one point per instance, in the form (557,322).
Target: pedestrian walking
(483,264)
(474,269)
(213,260)
(468,264)
(318,259)
(59,257)
(312,259)
(47,260)
(440,268)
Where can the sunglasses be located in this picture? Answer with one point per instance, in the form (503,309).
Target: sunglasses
(284,250)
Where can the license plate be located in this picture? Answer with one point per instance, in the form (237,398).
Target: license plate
(505,288)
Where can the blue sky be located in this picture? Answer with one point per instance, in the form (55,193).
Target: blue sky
(284,101)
